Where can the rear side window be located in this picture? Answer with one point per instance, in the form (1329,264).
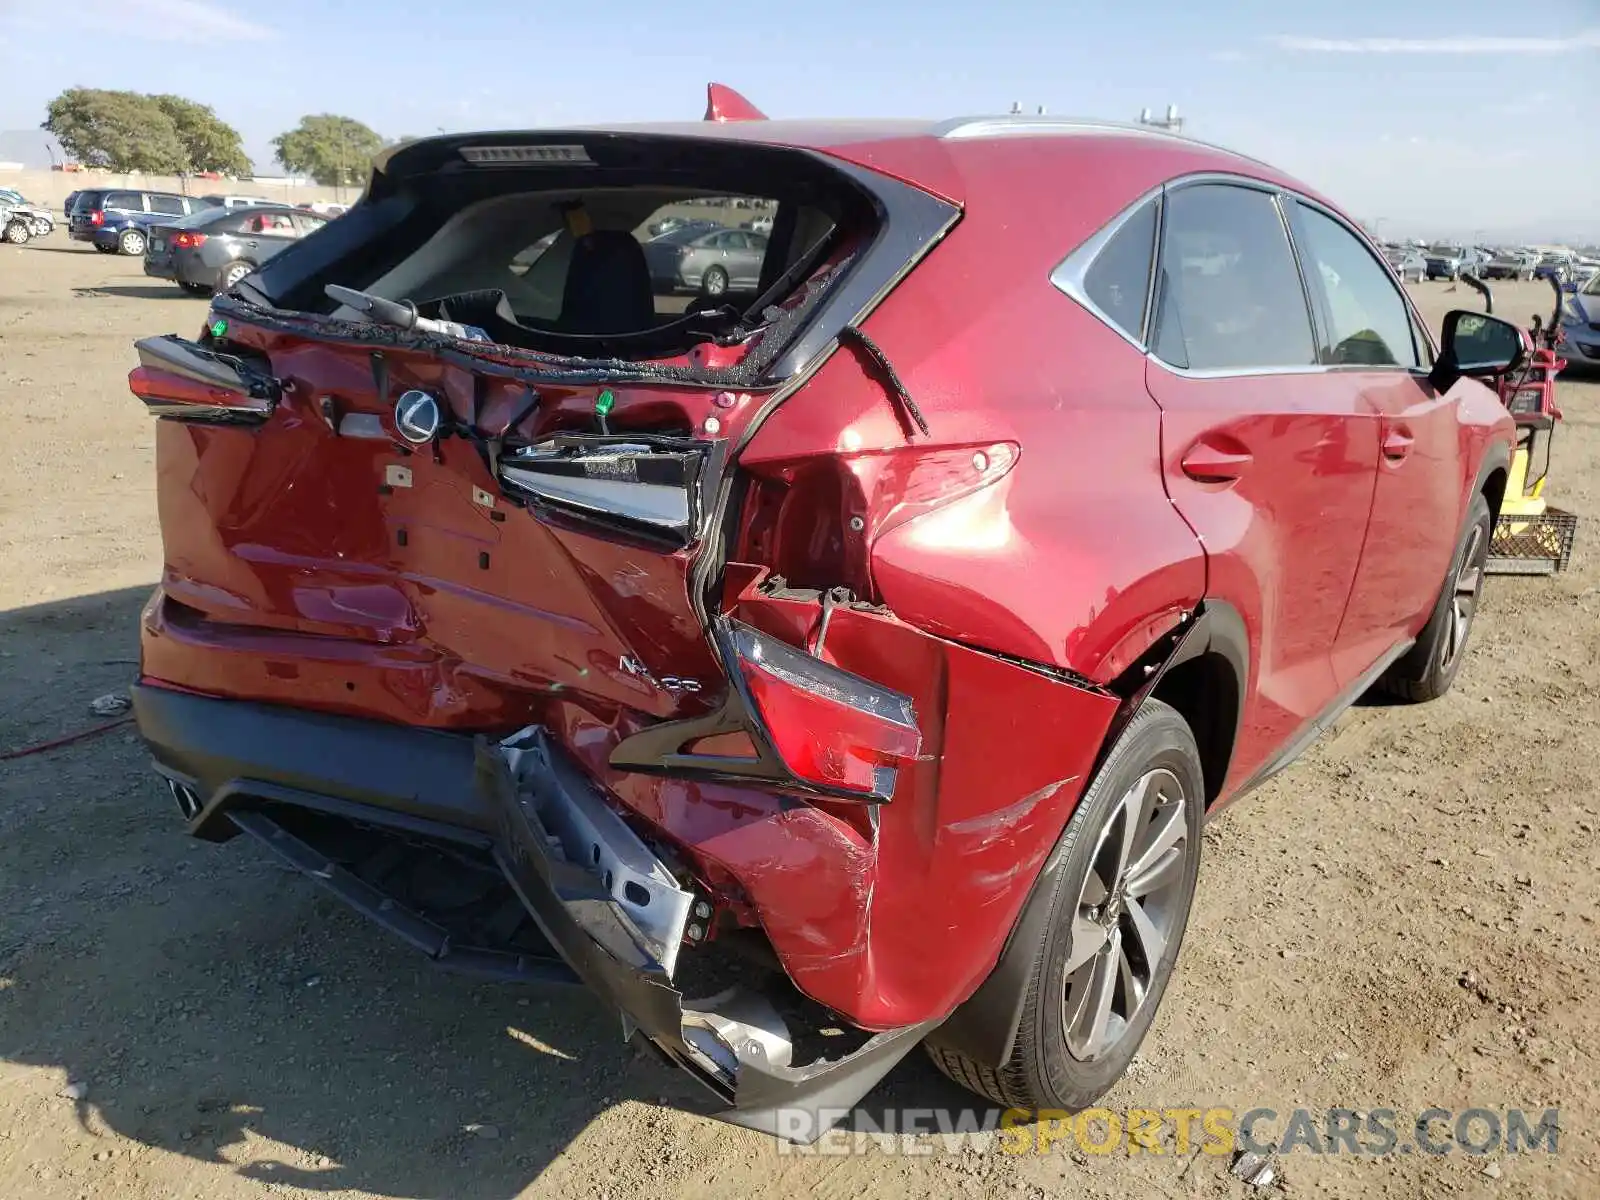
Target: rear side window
(1119,277)
(1231,298)
(171,205)
(128,201)
(1369,323)
(268,224)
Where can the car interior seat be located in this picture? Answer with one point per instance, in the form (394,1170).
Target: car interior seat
(607,288)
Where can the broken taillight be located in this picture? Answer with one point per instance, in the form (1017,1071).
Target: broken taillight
(645,485)
(179,380)
(832,729)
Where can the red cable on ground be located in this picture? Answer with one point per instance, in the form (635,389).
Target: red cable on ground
(63,741)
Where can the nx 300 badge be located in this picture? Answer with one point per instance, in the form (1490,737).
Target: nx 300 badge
(416,416)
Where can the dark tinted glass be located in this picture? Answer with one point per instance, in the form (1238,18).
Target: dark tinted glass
(131,201)
(1119,277)
(1369,321)
(1231,295)
(171,205)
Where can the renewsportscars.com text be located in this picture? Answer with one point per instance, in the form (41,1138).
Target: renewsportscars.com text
(1180,1131)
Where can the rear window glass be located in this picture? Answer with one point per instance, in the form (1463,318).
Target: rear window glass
(1119,277)
(213,220)
(663,256)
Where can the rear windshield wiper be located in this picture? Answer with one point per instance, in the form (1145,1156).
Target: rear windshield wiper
(400,314)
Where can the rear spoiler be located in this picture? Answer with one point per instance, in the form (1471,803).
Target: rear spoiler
(725,104)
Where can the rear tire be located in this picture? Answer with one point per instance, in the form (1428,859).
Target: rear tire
(1428,669)
(231,274)
(194,289)
(714,282)
(131,243)
(18,233)
(1095,983)
(105,249)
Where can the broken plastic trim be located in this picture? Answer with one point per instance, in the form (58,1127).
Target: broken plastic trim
(591,836)
(815,729)
(179,380)
(651,486)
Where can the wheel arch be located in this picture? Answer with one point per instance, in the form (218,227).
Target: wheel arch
(1202,670)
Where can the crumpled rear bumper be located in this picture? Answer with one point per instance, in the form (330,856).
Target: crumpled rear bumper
(587,881)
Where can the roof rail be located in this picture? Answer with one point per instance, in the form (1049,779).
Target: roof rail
(1021,125)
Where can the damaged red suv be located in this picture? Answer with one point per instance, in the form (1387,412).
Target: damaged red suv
(845,656)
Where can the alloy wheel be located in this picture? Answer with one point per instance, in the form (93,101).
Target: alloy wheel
(1129,910)
(1465,593)
(132,243)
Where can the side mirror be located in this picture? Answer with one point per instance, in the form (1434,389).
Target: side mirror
(1477,345)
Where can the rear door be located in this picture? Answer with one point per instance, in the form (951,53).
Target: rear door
(265,233)
(1373,343)
(1269,456)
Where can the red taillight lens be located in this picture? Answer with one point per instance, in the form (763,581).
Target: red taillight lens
(187,241)
(97,217)
(831,728)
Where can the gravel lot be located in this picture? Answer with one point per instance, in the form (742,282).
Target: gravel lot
(1405,919)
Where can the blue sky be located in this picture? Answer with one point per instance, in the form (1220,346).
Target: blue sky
(1434,115)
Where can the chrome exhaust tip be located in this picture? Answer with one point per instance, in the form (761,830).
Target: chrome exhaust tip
(188,799)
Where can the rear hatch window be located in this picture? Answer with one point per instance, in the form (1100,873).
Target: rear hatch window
(629,248)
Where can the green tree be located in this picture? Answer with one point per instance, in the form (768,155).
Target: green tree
(118,131)
(210,143)
(335,151)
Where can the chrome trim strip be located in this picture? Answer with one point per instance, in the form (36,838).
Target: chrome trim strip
(205,414)
(651,503)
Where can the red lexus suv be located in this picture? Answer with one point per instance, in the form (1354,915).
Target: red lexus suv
(840,658)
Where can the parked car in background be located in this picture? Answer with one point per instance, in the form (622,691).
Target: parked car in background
(1409,264)
(1580,321)
(773,671)
(680,228)
(1448,262)
(215,248)
(714,262)
(324,208)
(26,219)
(114,220)
(1511,264)
(664,251)
(1554,266)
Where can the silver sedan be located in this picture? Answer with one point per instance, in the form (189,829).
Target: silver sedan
(722,259)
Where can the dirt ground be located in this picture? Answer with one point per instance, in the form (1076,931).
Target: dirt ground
(1405,919)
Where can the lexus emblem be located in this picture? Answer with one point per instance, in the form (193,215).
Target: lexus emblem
(416,416)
